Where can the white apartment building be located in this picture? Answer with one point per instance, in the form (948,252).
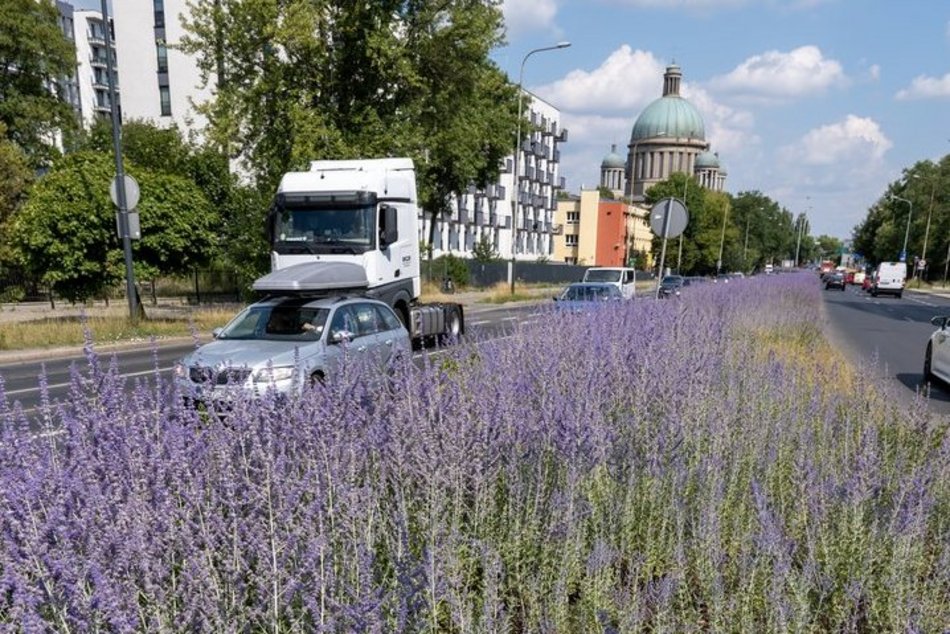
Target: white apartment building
(92,71)
(161,84)
(487,214)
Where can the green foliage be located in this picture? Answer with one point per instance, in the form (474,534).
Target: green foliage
(452,267)
(34,54)
(605,193)
(66,235)
(385,78)
(485,251)
(880,236)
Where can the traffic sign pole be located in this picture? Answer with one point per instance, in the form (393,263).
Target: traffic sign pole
(121,202)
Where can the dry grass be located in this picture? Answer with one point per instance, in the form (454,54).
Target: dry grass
(52,332)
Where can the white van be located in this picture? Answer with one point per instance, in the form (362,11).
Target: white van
(621,277)
(889,279)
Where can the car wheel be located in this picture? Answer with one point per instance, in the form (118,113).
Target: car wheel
(873,293)
(928,360)
(842,288)
(317,378)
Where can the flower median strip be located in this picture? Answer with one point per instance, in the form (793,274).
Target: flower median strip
(674,466)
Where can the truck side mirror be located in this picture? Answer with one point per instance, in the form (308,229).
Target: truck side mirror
(388,229)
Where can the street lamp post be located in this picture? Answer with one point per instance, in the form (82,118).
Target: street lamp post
(516,176)
(930,211)
(722,239)
(910,212)
(798,243)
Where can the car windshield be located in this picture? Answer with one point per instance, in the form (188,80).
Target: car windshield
(672,280)
(585,293)
(283,322)
(602,275)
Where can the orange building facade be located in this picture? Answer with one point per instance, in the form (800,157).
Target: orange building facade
(600,232)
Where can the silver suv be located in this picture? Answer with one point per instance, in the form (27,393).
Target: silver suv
(286,343)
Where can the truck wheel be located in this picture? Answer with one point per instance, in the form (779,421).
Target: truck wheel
(453,326)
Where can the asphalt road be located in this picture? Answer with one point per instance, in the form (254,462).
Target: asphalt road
(22,377)
(892,331)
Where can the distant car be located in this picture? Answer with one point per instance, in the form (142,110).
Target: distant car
(672,286)
(889,279)
(287,343)
(937,354)
(585,295)
(623,278)
(835,280)
(867,282)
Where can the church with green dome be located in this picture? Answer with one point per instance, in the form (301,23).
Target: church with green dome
(669,136)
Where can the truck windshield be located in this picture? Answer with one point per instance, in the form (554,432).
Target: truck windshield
(325,229)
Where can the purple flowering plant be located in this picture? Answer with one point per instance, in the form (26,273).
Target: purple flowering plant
(690,465)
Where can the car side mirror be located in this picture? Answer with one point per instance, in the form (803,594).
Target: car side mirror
(217,332)
(939,322)
(341,336)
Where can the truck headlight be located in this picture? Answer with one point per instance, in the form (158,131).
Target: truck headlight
(275,374)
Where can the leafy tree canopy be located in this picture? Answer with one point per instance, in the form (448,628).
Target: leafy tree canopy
(66,235)
(299,80)
(34,55)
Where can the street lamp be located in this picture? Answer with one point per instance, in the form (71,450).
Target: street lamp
(910,212)
(933,191)
(722,239)
(801,231)
(516,184)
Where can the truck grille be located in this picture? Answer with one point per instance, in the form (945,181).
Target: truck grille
(203,375)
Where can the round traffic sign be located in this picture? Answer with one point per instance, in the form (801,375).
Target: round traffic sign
(131,192)
(672,213)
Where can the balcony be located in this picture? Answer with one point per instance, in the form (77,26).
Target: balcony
(562,183)
(562,137)
(481,218)
(557,229)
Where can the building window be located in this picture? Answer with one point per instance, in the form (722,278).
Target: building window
(162,53)
(166,100)
(158,6)
(573,217)
(570,240)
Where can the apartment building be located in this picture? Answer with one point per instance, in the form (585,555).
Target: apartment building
(161,84)
(92,66)
(514,215)
(600,232)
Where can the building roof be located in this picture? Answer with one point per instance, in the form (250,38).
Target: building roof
(613,160)
(670,116)
(707,160)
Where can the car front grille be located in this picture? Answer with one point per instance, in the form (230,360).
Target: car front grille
(204,375)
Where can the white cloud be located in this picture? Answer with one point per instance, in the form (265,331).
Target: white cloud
(599,108)
(775,74)
(874,72)
(856,140)
(624,81)
(926,88)
(529,15)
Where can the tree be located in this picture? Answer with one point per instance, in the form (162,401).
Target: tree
(34,56)
(304,79)
(66,235)
(240,208)
(485,251)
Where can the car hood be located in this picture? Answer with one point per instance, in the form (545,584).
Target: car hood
(252,354)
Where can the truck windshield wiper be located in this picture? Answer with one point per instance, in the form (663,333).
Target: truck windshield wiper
(295,246)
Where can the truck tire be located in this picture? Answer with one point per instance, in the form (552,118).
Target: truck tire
(453,326)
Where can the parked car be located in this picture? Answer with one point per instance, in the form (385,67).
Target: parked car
(672,286)
(582,296)
(937,353)
(286,343)
(835,280)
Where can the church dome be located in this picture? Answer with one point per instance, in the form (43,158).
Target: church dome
(613,160)
(707,160)
(669,116)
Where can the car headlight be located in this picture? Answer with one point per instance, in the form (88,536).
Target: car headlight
(274,374)
(181,370)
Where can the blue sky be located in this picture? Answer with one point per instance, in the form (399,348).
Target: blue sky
(816,103)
